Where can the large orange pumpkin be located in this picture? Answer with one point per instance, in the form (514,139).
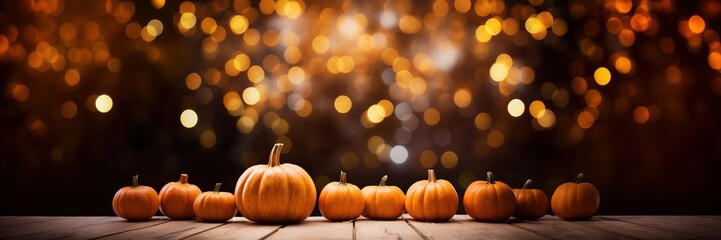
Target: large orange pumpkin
(530,203)
(432,199)
(136,203)
(383,202)
(575,200)
(489,201)
(341,201)
(215,206)
(176,199)
(275,193)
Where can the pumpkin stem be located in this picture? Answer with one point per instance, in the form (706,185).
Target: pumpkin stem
(383,180)
(578,178)
(217,187)
(343,178)
(490,179)
(183,178)
(135,181)
(431,176)
(528,184)
(274,159)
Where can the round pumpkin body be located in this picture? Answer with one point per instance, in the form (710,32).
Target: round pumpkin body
(215,206)
(275,193)
(489,201)
(136,203)
(341,201)
(383,202)
(530,203)
(177,198)
(575,200)
(432,200)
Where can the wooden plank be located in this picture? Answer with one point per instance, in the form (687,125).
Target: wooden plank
(94,228)
(238,228)
(691,225)
(554,227)
(711,216)
(170,230)
(61,224)
(464,227)
(630,230)
(7,221)
(315,228)
(393,229)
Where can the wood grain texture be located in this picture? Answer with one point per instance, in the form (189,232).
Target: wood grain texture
(62,224)
(694,226)
(315,228)
(17,221)
(169,230)
(392,229)
(464,227)
(556,228)
(460,227)
(237,228)
(94,227)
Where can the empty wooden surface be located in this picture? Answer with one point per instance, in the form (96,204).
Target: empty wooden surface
(405,227)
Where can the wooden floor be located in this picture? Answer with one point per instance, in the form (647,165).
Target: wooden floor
(460,227)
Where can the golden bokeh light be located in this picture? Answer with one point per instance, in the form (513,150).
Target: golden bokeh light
(449,160)
(516,107)
(207,139)
(342,104)
(602,76)
(103,103)
(463,97)
(188,118)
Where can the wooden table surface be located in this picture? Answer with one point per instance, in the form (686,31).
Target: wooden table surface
(460,227)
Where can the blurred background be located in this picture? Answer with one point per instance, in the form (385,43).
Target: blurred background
(627,92)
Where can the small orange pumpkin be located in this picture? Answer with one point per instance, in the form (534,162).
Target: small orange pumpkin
(275,193)
(575,200)
(383,202)
(432,200)
(341,201)
(136,203)
(215,206)
(530,203)
(489,201)
(177,198)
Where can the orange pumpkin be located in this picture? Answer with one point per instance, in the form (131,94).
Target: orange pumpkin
(275,193)
(432,200)
(489,201)
(575,200)
(215,206)
(341,201)
(530,203)
(176,199)
(383,202)
(136,203)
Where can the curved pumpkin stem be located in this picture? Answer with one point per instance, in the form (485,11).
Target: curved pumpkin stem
(183,178)
(343,178)
(135,182)
(274,159)
(431,176)
(528,184)
(383,180)
(217,187)
(490,179)
(578,178)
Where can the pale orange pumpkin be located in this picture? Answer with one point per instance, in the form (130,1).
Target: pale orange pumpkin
(489,201)
(341,201)
(275,193)
(530,203)
(432,200)
(177,198)
(383,202)
(215,206)
(575,200)
(136,203)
